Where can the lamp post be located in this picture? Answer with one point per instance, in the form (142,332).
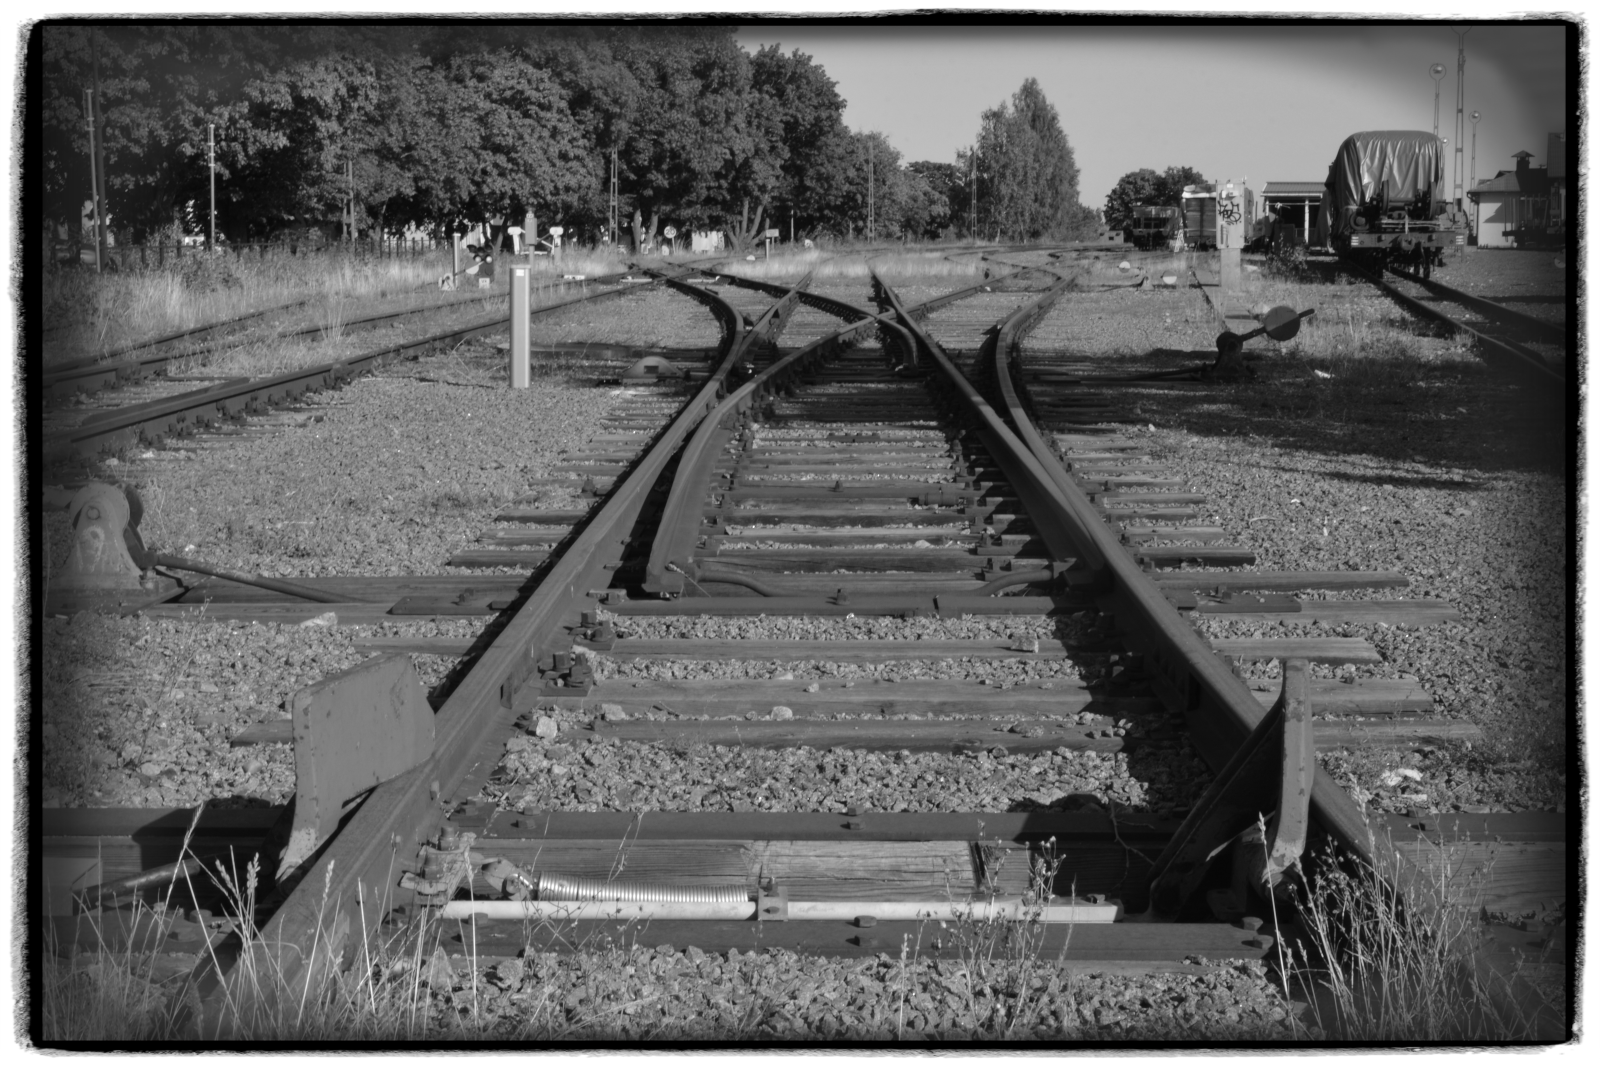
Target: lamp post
(1437,71)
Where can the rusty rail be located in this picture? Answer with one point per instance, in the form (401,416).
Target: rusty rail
(348,886)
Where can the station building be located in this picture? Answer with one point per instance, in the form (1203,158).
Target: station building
(1297,204)
(1523,206)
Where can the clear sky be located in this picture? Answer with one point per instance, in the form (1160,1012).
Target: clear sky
(1267,102)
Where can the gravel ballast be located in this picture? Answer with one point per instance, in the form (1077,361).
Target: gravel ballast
(1382,447)
(663,993)
(388,476)
(407,467)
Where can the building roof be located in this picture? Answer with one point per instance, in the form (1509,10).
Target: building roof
(1292,189)
(1533,181)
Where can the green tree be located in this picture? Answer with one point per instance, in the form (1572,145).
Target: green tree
(946,189)
(1173,179)
(1144,187)
(160,88)
(514,145)
(1134,189)
(1028,178)
(804,112)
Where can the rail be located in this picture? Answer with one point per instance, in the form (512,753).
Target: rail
(346,886)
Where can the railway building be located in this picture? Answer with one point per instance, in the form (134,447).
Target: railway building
(1295,205)
(1523,206)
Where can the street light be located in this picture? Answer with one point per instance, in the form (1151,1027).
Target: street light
(1437,70)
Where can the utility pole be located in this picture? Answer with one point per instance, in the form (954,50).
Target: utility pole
(1461,98)
(869,192)
(211,144)
(94,178)
(350,178)
(973,228)
(98,147)
(1436,72)
(612,220)
(1472,175)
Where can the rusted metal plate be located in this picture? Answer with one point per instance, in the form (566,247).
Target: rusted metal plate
(353,730)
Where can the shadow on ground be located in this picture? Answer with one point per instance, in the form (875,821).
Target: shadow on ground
(1448,413)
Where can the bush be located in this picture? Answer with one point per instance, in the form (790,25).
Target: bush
(1288,261)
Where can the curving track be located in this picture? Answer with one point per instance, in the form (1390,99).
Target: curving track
(906,464)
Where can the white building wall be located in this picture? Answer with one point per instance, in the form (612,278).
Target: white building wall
(1497,216)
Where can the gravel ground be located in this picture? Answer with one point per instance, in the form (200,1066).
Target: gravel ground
(398,471)
(140,724)
(1532,282)
(662,993)
(139,712)
(1408,455)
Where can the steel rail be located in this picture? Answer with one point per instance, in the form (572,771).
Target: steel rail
(1222,713)
(670,564)
(92,374)
(153,421)
(350,882)
(1185,671)
(1029,479)
(1549,331)
(1507,355)
(671,567)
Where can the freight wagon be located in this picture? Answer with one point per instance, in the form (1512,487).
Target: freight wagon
(1153,226)
(1203,203)
(1385,200)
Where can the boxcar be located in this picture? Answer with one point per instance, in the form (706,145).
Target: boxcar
(1152,226)
(1203,202)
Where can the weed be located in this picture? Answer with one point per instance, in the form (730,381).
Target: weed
(1390,962)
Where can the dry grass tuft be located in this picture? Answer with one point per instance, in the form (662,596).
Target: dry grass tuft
(1385,963)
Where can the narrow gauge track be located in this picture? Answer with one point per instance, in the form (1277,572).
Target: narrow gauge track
(1531,350)
(797,495)
(72,439)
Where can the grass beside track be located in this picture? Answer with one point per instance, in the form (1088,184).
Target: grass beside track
(88,315)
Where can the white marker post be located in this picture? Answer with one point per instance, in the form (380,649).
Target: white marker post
(521,361)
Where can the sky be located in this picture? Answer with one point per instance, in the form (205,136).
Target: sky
(1264,102)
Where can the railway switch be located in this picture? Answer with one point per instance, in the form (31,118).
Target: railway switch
(1280,323)
(104,528)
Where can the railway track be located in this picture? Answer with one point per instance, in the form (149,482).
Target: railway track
(920,498)
(148,406)
(136,364)
(1531,350)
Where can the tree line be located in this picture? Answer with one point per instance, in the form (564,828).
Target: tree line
(433,126)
